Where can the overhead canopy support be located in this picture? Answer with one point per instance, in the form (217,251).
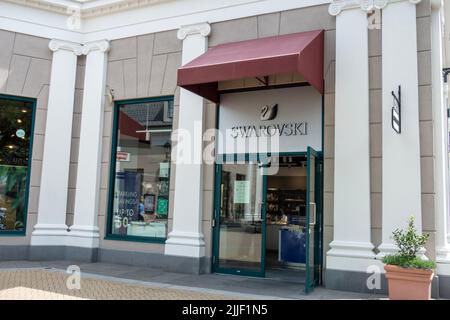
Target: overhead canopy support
(300,53)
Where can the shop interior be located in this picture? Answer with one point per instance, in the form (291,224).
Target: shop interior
(286,220)
(269,242)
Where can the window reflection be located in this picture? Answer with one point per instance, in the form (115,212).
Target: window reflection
(16,119)
(142,169)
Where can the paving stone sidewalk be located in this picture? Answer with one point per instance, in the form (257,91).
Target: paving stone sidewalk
(39,284)
(48,280)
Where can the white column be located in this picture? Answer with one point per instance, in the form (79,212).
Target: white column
(446,106)
(440,138)
(84,231)
(186,238)
(401,184)
(351,248)
(446,98)
(51,226)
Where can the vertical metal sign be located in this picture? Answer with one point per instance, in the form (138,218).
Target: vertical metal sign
(396,112)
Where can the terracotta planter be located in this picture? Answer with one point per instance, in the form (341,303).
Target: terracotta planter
(408,284)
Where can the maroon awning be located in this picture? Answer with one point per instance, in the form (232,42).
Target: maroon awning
(297,52)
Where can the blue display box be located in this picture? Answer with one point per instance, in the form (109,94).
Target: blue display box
(292,246)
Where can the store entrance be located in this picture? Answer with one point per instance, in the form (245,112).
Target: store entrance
(286,220)
(267,218)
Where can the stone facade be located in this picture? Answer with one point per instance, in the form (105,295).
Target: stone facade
(146,66)
(427,152)
(138,67)
(25,64)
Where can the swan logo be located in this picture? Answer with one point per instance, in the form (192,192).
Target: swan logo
(269,113)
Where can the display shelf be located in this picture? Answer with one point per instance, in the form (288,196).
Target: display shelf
(284,205)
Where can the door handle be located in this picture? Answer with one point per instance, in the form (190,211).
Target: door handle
(312,205)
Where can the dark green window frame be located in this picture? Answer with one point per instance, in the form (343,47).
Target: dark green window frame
(112,172)
(22,233)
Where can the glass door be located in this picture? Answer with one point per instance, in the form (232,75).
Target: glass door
(239,223)
(312,224)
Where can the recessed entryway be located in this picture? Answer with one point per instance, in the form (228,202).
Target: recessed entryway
(286,220)
(267,218)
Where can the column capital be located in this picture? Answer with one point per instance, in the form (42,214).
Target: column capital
(204,29)
(337,6)
(437,4)
(56,45)
(101,45)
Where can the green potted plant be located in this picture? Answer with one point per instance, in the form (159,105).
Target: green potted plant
(409,276)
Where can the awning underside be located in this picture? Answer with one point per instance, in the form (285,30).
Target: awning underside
(300,53)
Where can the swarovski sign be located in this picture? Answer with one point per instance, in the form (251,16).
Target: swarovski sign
(277,120)
(280,129)
(270,130)
(269,113)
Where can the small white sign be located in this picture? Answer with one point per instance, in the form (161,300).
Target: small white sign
(241,192)
(164,169)
(123,156)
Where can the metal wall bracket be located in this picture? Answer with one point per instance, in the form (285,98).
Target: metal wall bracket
(396,111)
(445,73)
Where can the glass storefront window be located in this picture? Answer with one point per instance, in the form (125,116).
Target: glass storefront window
(16,126)
(139,201)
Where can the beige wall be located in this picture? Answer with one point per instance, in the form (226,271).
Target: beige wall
(25,64)
(446,39)
(375,120)
(138,67)
(427,152)
(76,123)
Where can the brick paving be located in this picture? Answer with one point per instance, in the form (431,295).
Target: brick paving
(32,284)
(24,279)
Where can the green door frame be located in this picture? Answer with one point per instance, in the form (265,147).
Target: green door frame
(216,214)
(319,203)
(216,217)
(311,283)
(33,101)
(108,235)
